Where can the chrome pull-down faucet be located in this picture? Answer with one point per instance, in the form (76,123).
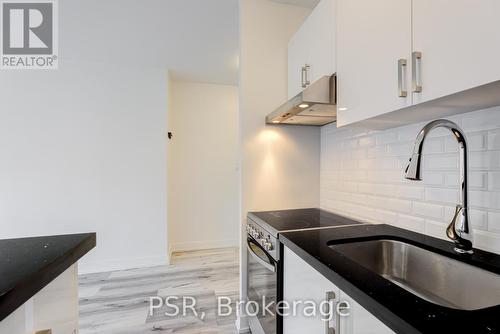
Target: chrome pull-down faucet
(459,230)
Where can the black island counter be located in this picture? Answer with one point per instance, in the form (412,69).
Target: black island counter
(28,268)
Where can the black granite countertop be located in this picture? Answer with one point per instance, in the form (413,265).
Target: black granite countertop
(27,265)
(399,309)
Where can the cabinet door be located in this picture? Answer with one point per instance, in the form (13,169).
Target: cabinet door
(314,45)
(303,283)
(320,29)
(460,45)
(372,36)
(54,308)
(297,58)
(359,320)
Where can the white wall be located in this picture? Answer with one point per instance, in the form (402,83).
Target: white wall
(83,149)
(203,166)
(362,176)
(279,164)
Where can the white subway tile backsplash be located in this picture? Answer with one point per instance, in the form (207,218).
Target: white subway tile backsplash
(366,141)
(435,229)
(397,205)
(479,219)
(434,145)
(477,180)
(384,217)
(494,140)
(484,160)
(476,142)
(450,145)
(441,162)
(386,138)
(484,199)
(409,192)
(362,176)
(432,178)
(481,120)
(428,210)
(411,223)
(441,195)
(358,154)
(408,132)
(487,241)
(494,222)
(377,152)
(494,181)
(400,149)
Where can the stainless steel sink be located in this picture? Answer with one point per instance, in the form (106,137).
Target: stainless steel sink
(431,276)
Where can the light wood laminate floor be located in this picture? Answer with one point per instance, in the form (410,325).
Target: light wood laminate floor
(118,302)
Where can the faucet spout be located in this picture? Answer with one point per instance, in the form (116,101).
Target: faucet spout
(459,229)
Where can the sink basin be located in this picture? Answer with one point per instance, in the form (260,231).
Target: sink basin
(431,276)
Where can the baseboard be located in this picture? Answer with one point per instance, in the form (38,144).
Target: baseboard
(85,267)
(198,245)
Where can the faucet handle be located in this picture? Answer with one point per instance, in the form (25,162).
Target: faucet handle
(459,231)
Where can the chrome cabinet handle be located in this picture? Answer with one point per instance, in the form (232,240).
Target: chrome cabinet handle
(341,306)
(416,71)
(303,77)
(330,298)
(307,67)
(402,92)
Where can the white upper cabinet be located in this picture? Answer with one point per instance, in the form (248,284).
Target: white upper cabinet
(372,37)
(460,45)
(424,49)
(311,51)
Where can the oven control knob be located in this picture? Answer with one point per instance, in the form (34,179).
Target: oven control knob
(268,246)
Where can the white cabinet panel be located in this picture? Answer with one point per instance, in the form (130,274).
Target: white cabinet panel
(298,55)
(302,283)
(372,36)
(460,44)
(314,45)
(321,33)
(55,307)
(360,321)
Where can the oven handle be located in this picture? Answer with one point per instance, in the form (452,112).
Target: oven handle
(264,263)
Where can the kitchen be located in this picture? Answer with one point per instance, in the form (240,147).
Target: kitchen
(334,98)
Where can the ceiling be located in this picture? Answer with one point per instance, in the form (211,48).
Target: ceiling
(197,40)
(301,3)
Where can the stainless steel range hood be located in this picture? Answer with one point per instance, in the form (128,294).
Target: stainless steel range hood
(315,105)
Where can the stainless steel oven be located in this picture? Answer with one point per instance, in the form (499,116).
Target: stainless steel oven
(265,254)
(264,279)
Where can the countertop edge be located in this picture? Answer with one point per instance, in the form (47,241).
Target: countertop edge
(371,305)
(31,285)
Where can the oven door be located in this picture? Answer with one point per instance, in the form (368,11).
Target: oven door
(262,288)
